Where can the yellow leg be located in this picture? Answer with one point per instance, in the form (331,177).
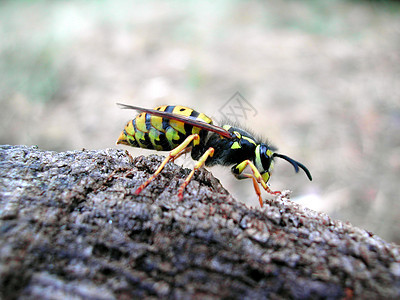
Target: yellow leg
(257,178)
(184,151)
(173,154)
(198,165)
(256,187)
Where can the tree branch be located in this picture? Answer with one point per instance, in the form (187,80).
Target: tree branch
(71,226)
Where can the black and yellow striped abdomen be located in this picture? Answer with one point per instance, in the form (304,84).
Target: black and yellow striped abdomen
(162,134)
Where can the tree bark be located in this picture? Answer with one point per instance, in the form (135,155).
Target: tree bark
(71,226)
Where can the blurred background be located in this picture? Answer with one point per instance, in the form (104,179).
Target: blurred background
(320,79)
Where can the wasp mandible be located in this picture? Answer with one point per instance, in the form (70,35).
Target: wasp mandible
(180,130)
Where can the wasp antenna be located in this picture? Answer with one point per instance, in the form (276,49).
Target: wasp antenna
(295,164)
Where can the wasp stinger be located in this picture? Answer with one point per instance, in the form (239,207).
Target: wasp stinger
(179,129)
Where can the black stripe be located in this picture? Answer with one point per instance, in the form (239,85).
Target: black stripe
(165,121)
(188,128)
(194,114)
(170,108)
(175,143)
(148,122)
(147,142)
(163,142)
(131,140)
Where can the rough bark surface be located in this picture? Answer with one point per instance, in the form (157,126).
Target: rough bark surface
(70,226)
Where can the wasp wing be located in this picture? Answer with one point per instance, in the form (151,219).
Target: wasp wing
(184,119)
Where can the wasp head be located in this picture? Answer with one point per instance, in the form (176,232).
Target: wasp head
(264,161)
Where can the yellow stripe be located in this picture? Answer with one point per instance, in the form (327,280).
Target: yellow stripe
(178,126)
(141,122)
(265,176)
(258,159)
(130,129)
(204,118)
(235,145)
(241,166)
(249,139)
(140,138)
(237,134)
(183,111)
(154,136)
(122,139)
(195,130)
(172,135)
(156,122)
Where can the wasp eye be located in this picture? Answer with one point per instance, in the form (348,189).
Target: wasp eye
(265,158)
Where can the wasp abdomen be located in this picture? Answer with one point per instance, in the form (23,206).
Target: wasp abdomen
(162,134)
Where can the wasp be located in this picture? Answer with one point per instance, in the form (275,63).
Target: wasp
(180,130)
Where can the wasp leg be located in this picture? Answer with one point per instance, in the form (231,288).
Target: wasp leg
(256,187)
(256,176)
(173,154)
(184,151)
(198,165)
